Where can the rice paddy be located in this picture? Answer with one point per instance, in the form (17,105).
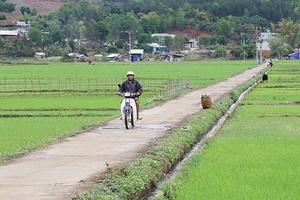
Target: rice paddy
(44,103)
(255,155)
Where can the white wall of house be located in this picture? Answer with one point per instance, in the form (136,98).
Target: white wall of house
(264,37)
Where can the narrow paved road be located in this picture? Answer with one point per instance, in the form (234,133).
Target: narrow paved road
(62,170)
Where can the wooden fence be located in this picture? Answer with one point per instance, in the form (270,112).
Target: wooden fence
(87,86)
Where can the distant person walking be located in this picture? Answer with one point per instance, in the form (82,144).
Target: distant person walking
(270,62)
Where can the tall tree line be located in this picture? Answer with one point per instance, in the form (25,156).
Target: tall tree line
(111,21)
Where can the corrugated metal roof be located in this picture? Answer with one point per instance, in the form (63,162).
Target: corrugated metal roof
(137,51)
(40,53)
(163,35)
(112,55)
(10,33)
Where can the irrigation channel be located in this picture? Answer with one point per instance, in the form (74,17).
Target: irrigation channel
(212,132)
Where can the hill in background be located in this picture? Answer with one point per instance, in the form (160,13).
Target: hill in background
(47,6)
(42,6)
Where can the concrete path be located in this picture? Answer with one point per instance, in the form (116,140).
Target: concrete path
(71,167)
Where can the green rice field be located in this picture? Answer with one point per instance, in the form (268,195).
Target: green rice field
(43,103)
(255,155)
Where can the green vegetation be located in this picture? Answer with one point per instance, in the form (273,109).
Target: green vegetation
(31,119)
(198,73)
(103,22)
(134,179)
(32,122)
(7,7)
(255,154)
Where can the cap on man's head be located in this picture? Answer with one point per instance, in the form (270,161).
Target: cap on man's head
(130,73)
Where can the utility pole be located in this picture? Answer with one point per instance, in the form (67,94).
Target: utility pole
(242,44)
(260,44)
(129,35)
(256,45)
(241,39)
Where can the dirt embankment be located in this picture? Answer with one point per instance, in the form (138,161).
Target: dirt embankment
(190,32)
(47,6)
(42,6)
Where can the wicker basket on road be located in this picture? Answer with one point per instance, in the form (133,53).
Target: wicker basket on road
(206,101)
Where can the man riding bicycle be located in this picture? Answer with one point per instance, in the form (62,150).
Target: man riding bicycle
(132,86)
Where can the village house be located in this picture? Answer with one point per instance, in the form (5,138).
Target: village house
(38,55)
(136,54)
(156,48)
(13,29)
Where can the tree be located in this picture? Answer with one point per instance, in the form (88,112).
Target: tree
(10,48)
(250,50)
(71,29)
(179,19)
(120,44)
(214,9)
(129,22)
(224,27)
(25,9)
(213,40)
(112,49)
(188,11)
(179,42)
(2,17)
(104,9)
(72,45)
(92,32)
(165,22)
(169,41)
(102,30)
(205,41)
(35,36)
(145,38)
(145,47)
(82,30)
(9,7)
(220,52)
(200,15)
(278,48)
(57,35)
(163,9)
(67,11)
(222,40)
(113,24)
(150,22)
(237,51)
(34,12)
(289,32)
